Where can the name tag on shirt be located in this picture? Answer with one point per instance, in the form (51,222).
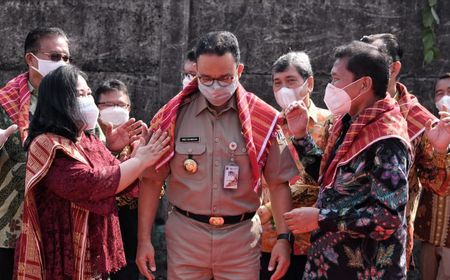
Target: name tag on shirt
(190,139)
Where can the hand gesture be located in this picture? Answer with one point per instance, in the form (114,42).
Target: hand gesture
(297,118)
(301,220)
(119,137)
(264,214)
(439,134)
(151,152)
(5,133)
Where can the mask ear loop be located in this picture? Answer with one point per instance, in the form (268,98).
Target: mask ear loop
(361,93)
(34,68)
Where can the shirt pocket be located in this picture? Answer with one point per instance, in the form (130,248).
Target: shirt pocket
(242,160)
(195,151)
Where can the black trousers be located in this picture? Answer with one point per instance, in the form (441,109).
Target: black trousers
(6,263)
(128,219)
(295,270)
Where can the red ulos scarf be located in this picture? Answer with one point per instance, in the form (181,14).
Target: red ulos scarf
(258,120)
(15,100)
(381,121)
(415,114)
(30,260)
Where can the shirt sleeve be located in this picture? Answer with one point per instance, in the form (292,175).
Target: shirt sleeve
(433,168)
(309,154)
(90,188)
(280,166)
(156,175)
(379,212)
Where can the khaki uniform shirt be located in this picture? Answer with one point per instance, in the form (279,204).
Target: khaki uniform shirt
(205,135)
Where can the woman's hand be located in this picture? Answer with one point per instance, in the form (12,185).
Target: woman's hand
(150,153)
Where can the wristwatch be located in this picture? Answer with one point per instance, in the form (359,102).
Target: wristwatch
(288,236)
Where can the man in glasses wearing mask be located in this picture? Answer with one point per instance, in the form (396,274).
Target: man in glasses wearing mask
(45,50)
(358,223)
(292,80)
(430,144)
(223,138)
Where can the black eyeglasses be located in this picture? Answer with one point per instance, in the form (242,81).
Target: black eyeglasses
(112,104)
(222,81)
(54,56)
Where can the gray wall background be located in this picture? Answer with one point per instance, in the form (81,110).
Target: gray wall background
(143,42)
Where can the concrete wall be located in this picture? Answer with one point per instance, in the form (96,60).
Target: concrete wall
(143,42)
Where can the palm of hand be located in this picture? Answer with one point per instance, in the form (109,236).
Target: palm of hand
(118,138)
(297,121)
(439,136)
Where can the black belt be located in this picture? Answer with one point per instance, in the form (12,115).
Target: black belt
(216,220)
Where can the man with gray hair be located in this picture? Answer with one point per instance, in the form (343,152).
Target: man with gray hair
(292,80)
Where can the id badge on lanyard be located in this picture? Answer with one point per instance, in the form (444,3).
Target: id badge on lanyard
(231,171)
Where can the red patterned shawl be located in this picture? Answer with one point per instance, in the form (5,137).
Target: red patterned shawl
(258,120)
(415,114)
(15,99)
(30,259)
(381,121)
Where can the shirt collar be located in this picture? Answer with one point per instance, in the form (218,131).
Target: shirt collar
(32,90)
(313,111)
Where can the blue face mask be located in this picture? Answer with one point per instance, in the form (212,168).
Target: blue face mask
(216,94)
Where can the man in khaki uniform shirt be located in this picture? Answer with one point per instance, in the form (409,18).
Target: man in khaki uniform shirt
(209,138)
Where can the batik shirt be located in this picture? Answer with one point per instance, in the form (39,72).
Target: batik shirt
(362,225)
(12,173)
(429,169)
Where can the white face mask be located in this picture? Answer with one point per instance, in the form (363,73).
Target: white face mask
(187,79)
(445,100)
(216,94)
(337,99)
(89,111)
(46,66)
(115,115)
(285,96)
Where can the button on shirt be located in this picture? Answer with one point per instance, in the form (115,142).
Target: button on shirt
(202,192)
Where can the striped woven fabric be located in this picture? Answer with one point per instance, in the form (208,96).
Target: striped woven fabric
(15,99)
(383,120)
(415,114)
(29,250)
(258,120)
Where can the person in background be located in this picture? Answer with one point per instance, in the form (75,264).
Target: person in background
(292,80)
(71,229)
(189,70)
(358,222)
(45,49)
(114,103)
(429,143)
(216,127)
(442,93)
(432,224)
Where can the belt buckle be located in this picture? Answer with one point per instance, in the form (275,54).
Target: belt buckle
(216,221)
